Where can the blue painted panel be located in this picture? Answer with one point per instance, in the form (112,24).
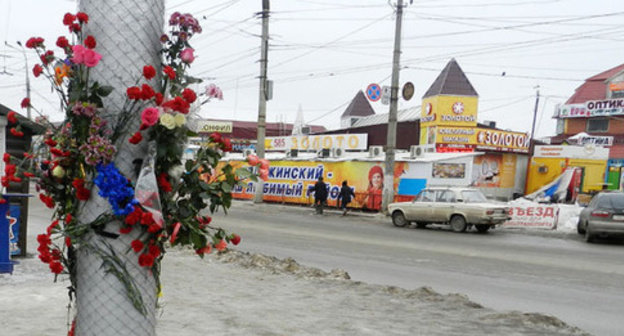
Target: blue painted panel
(411,186)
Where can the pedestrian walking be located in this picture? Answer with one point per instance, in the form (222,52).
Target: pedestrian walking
(346,193)
(320,195)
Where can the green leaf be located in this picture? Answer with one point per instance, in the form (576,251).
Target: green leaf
(105,90)
(243,173)
(226,187)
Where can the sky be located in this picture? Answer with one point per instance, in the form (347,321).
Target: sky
(322,52)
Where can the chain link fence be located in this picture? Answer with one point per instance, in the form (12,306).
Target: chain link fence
(128,37)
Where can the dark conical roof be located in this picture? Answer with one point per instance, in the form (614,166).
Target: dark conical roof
(359,107)
(451,81)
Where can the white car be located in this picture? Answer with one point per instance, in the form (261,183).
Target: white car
(460,208)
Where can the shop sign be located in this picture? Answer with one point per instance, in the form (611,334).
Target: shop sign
(532,215)
(210,126)
(592,108)
(449,111)
(619,86)
(572,152)
(316,142)
(596,140)
(572,111)
(483,138)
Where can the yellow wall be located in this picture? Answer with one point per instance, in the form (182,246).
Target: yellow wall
(536,180)
(442,110)
(593,172)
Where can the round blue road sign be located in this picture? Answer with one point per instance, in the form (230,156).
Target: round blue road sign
(373,92)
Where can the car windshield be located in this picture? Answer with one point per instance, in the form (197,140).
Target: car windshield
(617,201)
(473,196)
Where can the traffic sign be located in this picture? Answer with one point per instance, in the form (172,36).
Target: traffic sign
(373,92)
(385,95)
(408,91)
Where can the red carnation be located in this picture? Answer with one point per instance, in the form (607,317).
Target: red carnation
(125,230)
(146,218)
(136,138)
(50,142)
(82,17)
(163,182)
(154,251)
(89,42)
(149,72)
(68,241)
(83,194)
(56,267)
(169,72)
(68,19)
(25,103)
(221,245)
(6,158)
(178,104)
(75,28)
(159,98)
(235,239)
(147,92)
(134,92)
(37,70)
(189,95)
(153,228)
(27,174)
(34,42)
(68,218)
(216,137)
(11,117)
(16,133)
(146,260)
(47,57)
(227,145)
(137,245)
(62,42)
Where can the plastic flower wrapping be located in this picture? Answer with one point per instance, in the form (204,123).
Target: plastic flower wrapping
(77,159)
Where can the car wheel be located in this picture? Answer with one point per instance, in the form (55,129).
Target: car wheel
(579,228)
(482,228)
(458,223)
(589,237)
(421,225)
(398,219)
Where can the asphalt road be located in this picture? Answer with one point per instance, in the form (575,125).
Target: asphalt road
(555,274)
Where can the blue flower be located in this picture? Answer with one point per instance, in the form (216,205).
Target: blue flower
(116,189)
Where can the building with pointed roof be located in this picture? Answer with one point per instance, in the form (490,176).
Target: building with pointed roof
(358,108)
(451,81)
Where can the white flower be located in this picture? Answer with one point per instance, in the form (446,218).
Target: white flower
(168,121)
(176,172)
(179,119)
(58,171)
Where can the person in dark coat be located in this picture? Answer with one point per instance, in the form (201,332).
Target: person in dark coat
(320,195)
(345,196)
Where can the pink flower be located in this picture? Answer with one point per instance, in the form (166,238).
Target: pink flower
(213,91)
(78,52)
(149,116)
(85,56)
(187,55)
(91,58)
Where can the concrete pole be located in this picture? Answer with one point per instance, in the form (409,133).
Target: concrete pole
(388,191)
(262,97)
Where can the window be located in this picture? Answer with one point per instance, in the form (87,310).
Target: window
(560,126)
(446,196)
(426,196)
(597,124)
(473,196)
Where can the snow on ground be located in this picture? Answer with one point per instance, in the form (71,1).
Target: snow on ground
(238,293)
(251,294)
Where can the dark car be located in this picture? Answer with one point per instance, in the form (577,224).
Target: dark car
(603,216)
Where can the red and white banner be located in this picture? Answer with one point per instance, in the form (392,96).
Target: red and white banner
(532,215)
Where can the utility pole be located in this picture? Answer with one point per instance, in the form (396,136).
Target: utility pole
(26,71)
(532,139)
(264,51)
(537,96)
(388,191)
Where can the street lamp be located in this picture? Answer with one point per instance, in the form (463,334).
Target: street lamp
(21,49)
